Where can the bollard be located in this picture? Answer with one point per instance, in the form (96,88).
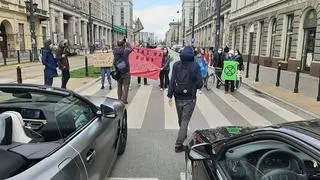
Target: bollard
(296,84)
(18,52)
(86,66)
(257,72)
(278,75)
(30,54)
(318,98)
(19,76)
(248,64)
(4,60)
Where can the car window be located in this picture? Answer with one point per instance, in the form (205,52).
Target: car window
(261,159)
(72,114)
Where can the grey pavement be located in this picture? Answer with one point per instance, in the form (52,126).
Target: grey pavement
(153,125)
(308,85)
(9,75)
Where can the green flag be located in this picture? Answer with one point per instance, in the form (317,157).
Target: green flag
(230,70)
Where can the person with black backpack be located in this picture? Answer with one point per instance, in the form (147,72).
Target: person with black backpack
(122,69)
(185,80)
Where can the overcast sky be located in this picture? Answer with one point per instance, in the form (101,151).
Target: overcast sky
(155,15)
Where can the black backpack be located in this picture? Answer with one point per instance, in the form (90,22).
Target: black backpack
(184,80)
(121,65)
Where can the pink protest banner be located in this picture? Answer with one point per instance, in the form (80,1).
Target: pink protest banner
(145,62)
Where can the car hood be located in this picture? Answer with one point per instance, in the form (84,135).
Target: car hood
(218,134)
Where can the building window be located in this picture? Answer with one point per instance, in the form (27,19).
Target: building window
(122,16)
(21,36)
(273,37)
(289,36)
(44,34)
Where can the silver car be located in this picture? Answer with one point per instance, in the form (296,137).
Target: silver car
(48,133)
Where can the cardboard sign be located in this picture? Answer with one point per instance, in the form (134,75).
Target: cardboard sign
(230,70)
(145,62)
(102,59)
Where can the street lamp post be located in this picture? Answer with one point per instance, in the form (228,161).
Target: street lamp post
(31,8)
(178,27)
(184,28)
(193,19)
(126,30)
(90,29)
(112,32)
(218,11)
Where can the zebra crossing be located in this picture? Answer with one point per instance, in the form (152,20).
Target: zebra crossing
(214,108)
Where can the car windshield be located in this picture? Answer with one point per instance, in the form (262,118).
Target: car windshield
(45,115)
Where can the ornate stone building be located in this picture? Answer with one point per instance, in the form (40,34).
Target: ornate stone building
(278,32)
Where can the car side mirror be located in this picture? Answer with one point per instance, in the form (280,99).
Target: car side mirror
(108,112)
(201,152)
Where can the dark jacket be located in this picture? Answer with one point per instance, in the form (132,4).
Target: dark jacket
(49,62)
(239,59)
(166,62)
(186,56)
(218,60)
(62,54)
(123,51)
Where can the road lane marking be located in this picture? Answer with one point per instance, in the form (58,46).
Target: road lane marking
(138,107)
(248,114)
(113,93)
(210,112)
(278,110)
(171,116)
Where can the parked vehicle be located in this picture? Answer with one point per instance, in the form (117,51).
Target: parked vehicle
(285,151)
(50,133)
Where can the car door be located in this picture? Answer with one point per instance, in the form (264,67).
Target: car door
(263,154)
(93,137)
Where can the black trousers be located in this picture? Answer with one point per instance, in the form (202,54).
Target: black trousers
(144,80)
(65,79)
(229,83)
(164,79)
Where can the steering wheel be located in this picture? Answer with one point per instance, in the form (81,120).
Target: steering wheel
(278,174)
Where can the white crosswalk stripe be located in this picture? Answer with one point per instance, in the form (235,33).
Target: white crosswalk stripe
(251,116)
(213,116)
(283,113)
(138,107)
(211,113)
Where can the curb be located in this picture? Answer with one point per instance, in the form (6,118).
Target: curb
(281,100)
(82,88)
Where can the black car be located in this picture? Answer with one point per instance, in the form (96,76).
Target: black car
(49,133)
(287,151)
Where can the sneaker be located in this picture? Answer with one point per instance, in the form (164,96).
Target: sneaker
(200,92)
(167,89)
(180,148)
(102,87)
(161,89)
(110,87)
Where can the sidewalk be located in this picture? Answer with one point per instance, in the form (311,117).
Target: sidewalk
(300,101)
(308,85)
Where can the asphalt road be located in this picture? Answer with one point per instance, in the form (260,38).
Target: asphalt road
(153,125)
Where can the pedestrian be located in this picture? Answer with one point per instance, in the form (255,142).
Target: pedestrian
(122,66)
(49,62)
(226,52)
(217,63)
(206,56)
(165,69)
(229,84)
(201,62)
(62,54)
(145,81)
(239,59)
(106,71)
(185,80)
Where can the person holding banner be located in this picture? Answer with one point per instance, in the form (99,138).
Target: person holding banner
(230,72)
(121,63)
(164,74)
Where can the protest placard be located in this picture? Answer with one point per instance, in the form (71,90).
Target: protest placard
(230,70)
(102,59)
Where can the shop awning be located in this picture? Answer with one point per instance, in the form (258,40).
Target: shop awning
(119,29)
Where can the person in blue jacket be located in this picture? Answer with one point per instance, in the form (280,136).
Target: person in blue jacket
(49,62)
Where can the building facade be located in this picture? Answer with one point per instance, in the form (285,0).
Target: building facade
(174,35)
(205,28)
(187,18)
(274,32)
(15,27)
(124,15)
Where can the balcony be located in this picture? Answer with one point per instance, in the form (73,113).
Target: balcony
(42,14)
